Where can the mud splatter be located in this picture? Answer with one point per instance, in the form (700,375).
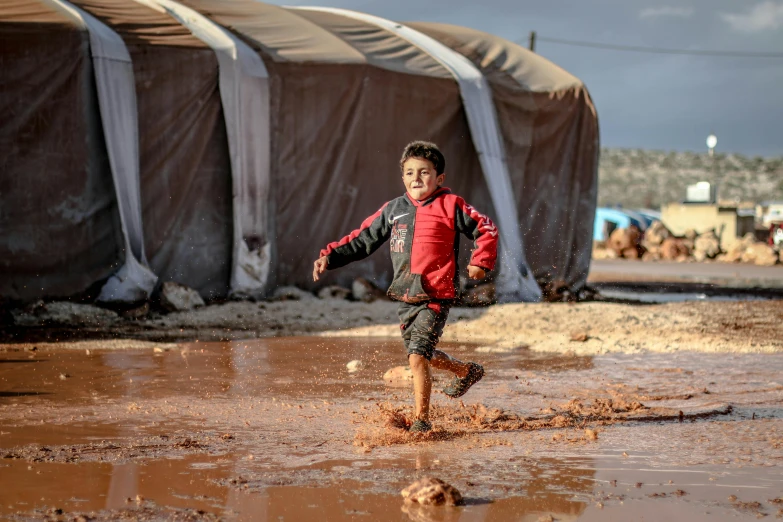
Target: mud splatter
(388,424)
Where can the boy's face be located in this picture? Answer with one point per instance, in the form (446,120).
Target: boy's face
(420,178)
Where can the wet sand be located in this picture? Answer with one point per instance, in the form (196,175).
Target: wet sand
(277,429)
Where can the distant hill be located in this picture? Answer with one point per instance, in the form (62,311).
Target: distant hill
(637,178)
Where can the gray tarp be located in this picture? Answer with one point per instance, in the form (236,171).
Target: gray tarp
(117,102)
(244,91)
(59,224)
(183,146)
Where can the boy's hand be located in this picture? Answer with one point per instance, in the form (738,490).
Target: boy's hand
(475,272)
(319,267)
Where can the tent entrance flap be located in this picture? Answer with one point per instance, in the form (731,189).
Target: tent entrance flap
(514,280)
(117,104)
(244,93)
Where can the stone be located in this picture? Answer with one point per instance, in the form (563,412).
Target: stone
(354,366)
(481,295)
(604,253)
(737,249)
(651,256)
(631,253)
(672,248)
(363,290)
(760,254)
(334,292)
(699,256)
(728,257)
(175,297)
(399,375)
(656,233)
(291,293)
(690,234)
(579,337)
(431,491)
(623,239)
(707,245)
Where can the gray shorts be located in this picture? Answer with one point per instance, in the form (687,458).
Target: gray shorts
(422,325)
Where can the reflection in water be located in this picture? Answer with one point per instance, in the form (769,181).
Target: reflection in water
(123,485)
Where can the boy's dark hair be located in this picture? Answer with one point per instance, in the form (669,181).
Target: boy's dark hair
(424,150)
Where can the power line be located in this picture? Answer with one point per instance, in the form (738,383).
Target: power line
(657,50)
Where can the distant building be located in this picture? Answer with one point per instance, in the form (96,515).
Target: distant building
(727,222)
(769,212)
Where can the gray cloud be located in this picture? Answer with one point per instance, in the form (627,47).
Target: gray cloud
(665,11)
(761,17)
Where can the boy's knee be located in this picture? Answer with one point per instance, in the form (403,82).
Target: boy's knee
(418,362)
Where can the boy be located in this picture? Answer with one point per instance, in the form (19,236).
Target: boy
(423,227)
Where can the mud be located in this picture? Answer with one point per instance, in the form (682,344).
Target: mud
(390,424)
(279,429)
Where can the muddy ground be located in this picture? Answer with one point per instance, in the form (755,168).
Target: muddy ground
(670,411)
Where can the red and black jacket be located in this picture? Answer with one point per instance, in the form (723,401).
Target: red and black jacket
(424,242)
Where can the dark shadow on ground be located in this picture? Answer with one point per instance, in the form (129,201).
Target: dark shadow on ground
(21,393)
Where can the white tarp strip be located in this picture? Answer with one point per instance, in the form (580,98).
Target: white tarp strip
(117,104)
(244,92)
(514,280)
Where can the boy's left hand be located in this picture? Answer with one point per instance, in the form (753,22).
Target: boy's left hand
(319,267)
(475,272)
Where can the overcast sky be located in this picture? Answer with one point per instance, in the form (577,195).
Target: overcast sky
(653,101)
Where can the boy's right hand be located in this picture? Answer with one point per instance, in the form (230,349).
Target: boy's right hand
(319,267)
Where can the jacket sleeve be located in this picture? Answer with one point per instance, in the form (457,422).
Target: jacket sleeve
(373,232)
(482,230)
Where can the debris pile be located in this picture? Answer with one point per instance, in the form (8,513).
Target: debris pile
(658,243)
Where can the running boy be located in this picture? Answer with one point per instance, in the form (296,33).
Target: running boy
(423,227)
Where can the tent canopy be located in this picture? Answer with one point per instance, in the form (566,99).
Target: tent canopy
(343,96)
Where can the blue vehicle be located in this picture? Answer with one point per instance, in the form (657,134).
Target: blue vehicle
(608,219)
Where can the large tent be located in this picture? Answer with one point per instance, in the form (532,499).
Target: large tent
(221,144)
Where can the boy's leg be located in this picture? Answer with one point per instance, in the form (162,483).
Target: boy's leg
(443,361)
(422,385)
(422,326)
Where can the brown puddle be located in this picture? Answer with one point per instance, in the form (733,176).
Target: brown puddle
(272,430)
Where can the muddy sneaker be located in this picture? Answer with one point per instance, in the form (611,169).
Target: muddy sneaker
(459,387)
(420,426)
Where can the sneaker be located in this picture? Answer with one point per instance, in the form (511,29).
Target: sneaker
(459,387)
(420,426)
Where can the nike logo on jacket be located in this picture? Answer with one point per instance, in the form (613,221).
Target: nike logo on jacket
(423,241)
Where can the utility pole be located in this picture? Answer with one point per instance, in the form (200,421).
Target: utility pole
(712,140)
(532,42)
